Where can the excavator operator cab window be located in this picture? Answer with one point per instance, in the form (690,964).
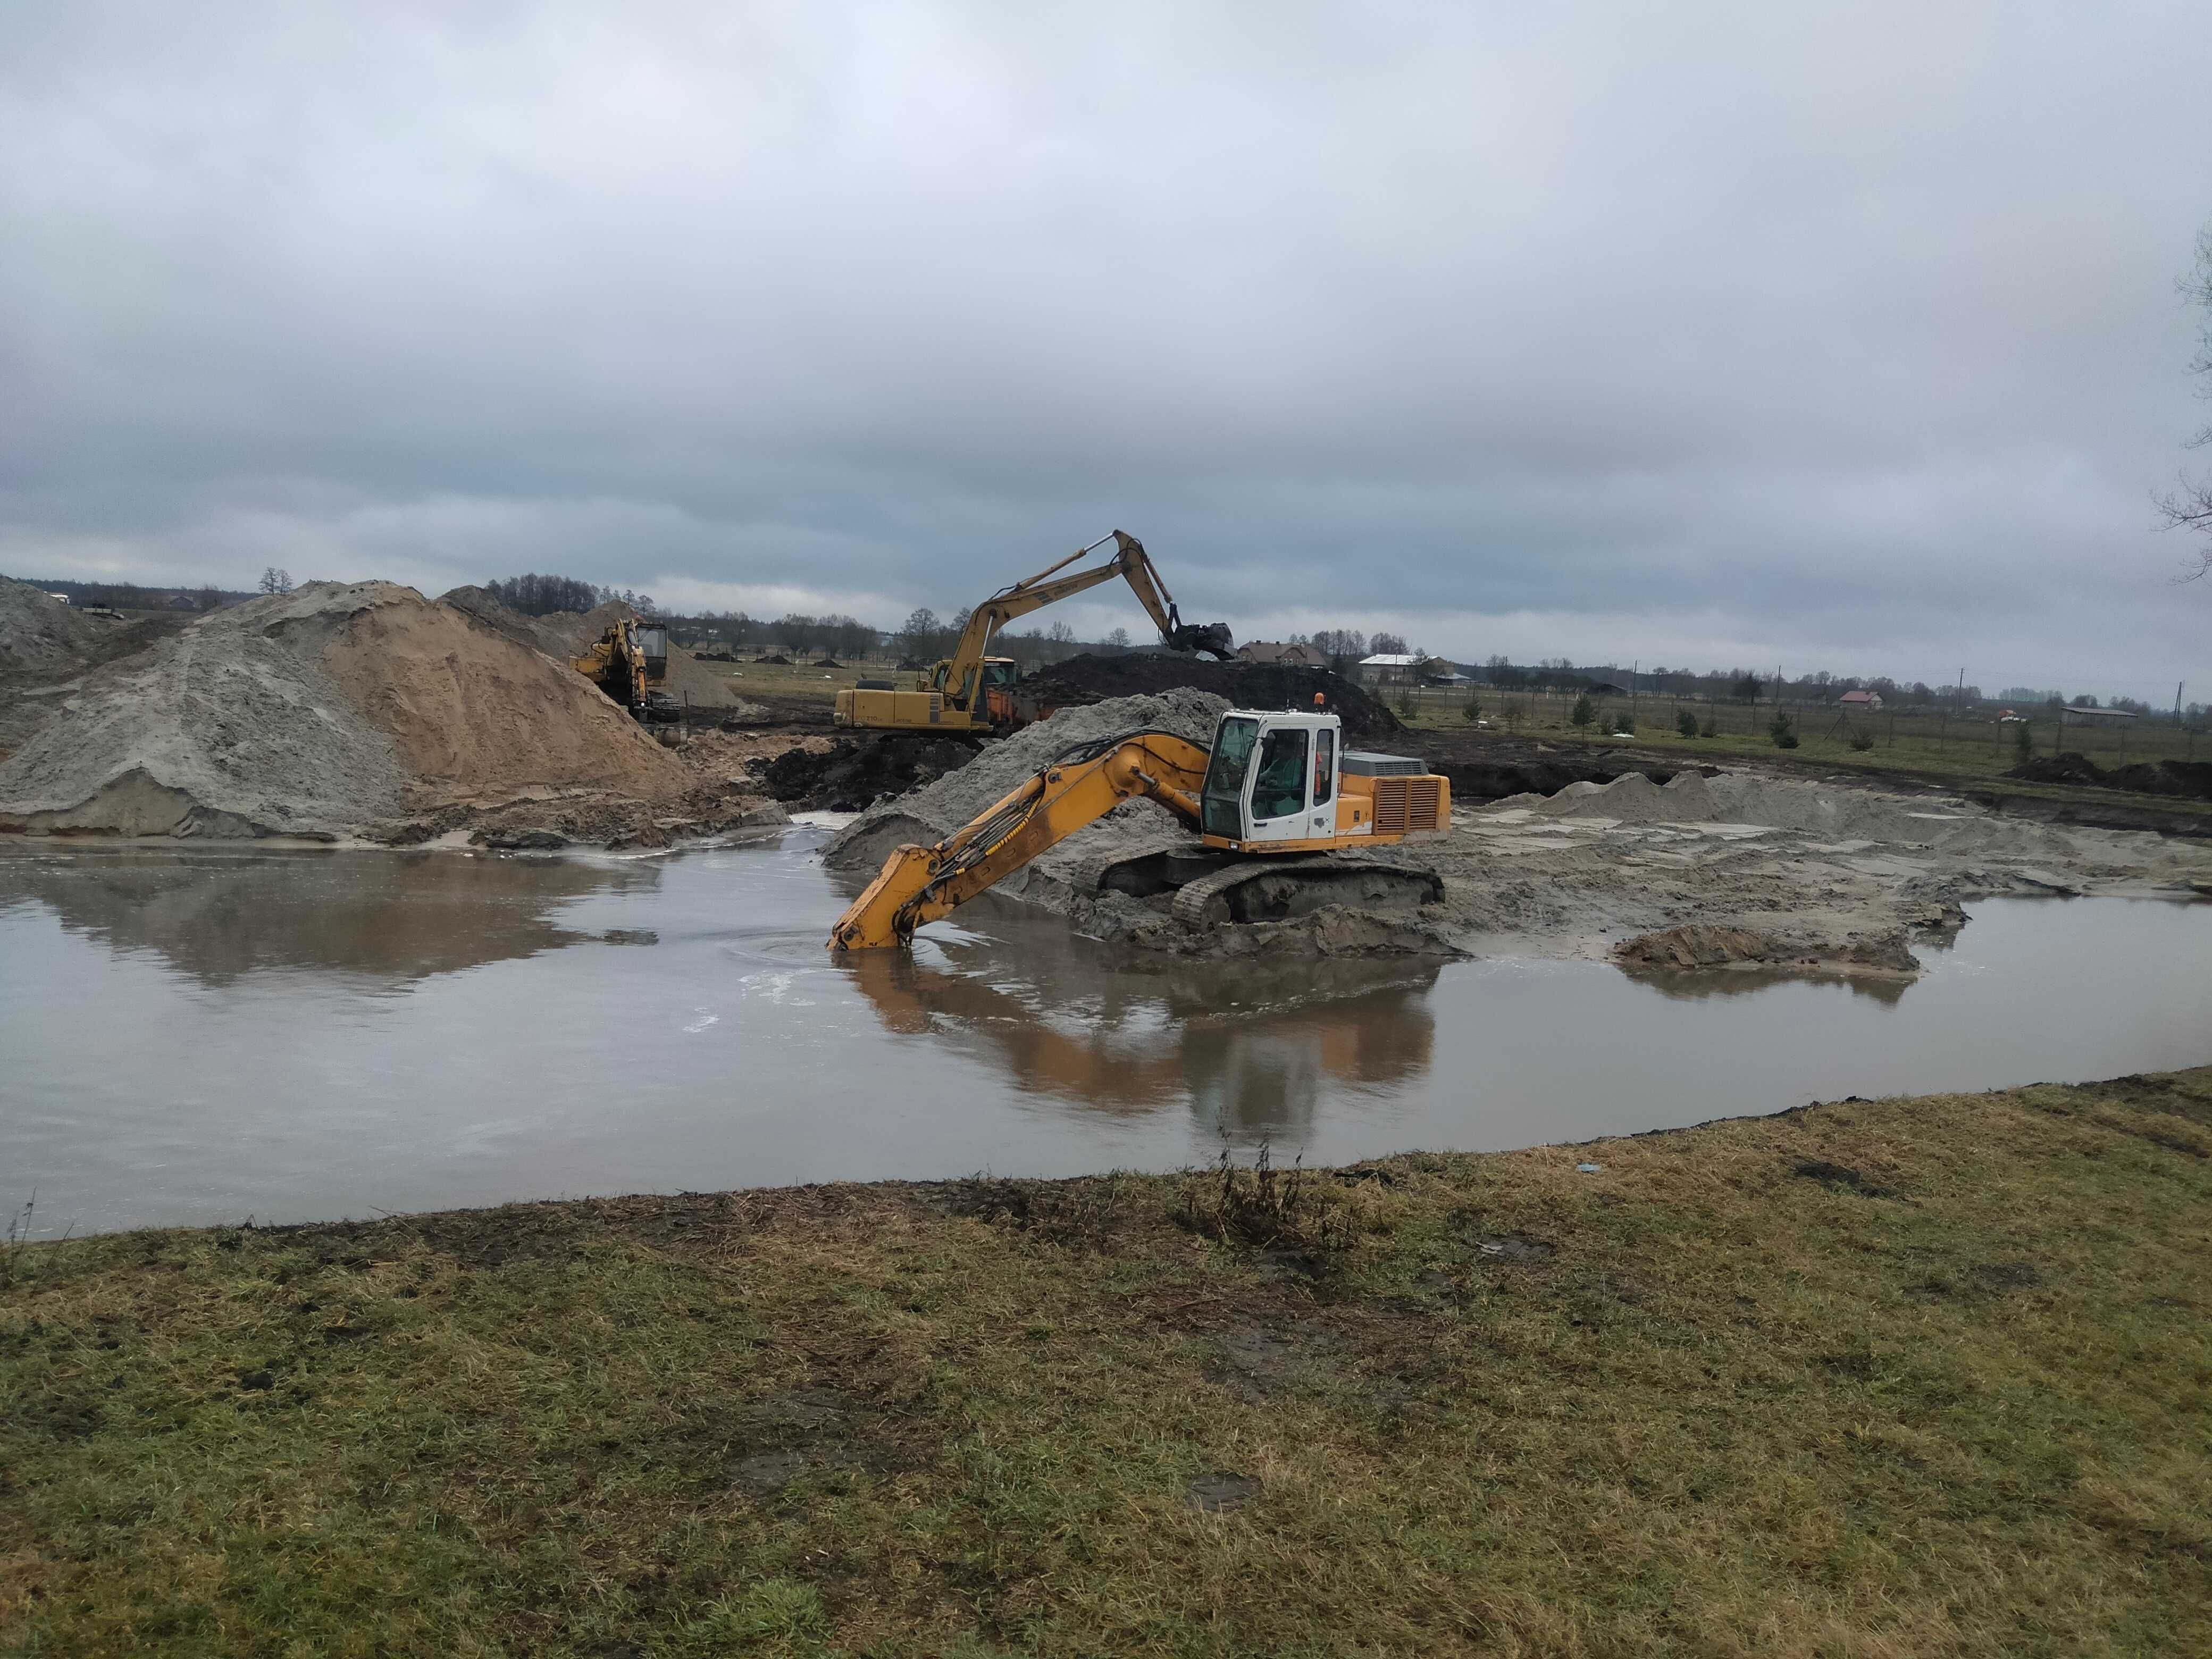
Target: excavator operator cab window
(1221,797)
(653,643)
(999,674)
(1324,767)
(1279,791)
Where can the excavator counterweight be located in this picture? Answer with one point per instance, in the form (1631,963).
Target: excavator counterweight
(1271,784)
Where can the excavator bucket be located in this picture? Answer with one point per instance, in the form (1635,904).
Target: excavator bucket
(1210,637)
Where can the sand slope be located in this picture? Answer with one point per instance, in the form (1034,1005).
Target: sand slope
(321,711)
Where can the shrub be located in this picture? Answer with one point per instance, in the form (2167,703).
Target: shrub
(1783,731)
(1685,722)
(1473,710)
(1862,741)
(2023,743)
(1264,1207)
(1712,729)
(1582,712)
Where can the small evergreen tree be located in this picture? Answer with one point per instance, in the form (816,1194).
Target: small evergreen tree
(1783,731)
(1582,712)
(1473,708)
(2023,743)
(1685,722)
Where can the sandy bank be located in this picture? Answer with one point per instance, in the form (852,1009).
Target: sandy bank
(341,709)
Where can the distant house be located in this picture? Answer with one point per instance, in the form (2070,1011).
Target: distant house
(1436,671)
(1868,701)
(63,598)
(2093,716)
(1607,689)
(1285,656)
(1388,668)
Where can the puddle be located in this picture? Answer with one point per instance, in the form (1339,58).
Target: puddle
(196,1037)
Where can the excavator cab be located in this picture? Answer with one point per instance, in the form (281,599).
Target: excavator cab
(996,672)
(1271,780)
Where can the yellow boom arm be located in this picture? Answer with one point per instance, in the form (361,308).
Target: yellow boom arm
(1129,561)
(1082,784)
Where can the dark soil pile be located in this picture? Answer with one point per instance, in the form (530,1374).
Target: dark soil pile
(1484,767)
(1088,679)
(2183,780)
(860,771)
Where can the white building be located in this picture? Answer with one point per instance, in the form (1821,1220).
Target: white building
(1390,668)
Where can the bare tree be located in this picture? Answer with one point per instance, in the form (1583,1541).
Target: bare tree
(273,581)
(2190,507)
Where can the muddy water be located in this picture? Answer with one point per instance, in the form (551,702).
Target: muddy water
(203,1037)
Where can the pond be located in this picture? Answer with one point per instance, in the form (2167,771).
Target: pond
(205,1035)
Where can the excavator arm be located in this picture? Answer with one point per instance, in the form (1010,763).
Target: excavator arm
(1129,561)
(1082,784)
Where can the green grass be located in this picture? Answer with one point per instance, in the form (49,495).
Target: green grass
(1957,753)
(1914,1376)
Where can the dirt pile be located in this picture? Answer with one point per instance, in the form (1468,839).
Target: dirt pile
(2182,780)
(41,635)
(329,711)
(1089,680)
(858,772)
(1631,798)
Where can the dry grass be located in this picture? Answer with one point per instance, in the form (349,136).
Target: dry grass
(1697,1401)
(1968,751)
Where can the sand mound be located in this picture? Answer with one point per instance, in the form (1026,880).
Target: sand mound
(1834,812)
(1632,798)
(39,635)
(935,810)
(321,711)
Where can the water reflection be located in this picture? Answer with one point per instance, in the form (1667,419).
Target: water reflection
(1253,1051)
(1702,984)
(219,915)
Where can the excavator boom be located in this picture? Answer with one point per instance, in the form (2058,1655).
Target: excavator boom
(959,699)
(918,885)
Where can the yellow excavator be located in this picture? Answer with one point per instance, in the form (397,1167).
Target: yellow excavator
(971,692)
(1270,801)
(627,662)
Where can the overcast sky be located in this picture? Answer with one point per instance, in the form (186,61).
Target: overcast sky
(1839,336)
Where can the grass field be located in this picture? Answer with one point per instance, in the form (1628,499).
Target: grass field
(1912,743)
(1906,1377)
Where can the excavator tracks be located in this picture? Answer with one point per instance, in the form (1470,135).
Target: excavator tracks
(1277,888)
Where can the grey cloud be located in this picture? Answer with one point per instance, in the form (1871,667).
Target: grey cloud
(1849,331)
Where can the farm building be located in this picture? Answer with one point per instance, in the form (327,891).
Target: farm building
(1287,656)
(2094,716)
(1388,668)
